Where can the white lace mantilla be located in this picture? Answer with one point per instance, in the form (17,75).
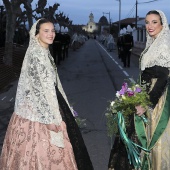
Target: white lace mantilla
(157,51)
(36,98)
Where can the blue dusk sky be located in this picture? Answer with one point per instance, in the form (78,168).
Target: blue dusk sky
(78,10)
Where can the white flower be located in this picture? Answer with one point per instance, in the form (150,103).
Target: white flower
(117,94)
(106,114)
(112,103)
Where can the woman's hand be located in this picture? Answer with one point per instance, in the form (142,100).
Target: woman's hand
(53,127)
(140,110)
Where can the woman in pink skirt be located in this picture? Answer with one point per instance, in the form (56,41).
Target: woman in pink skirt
(42,133)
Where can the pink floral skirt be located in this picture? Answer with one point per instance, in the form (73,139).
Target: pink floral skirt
(27,146)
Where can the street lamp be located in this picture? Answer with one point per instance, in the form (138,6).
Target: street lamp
(119,15)
(109,20)
(136,18)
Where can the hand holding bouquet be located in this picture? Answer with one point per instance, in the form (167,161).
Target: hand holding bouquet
(126,102)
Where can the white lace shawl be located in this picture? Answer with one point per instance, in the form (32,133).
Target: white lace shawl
(36,98)
(157,51)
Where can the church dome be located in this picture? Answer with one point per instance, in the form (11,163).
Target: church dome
(103,21)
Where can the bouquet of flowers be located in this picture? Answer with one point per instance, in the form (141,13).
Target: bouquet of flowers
(118,116)
(126,100)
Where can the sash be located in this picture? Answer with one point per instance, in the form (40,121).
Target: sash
(161,126)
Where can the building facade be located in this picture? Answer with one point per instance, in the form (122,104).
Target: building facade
(91,26)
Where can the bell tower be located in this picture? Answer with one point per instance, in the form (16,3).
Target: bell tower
(91,17)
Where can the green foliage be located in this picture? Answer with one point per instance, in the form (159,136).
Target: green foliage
(111,120)
(80,122)
(126,100)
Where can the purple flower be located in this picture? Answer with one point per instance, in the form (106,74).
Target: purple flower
(124,89)
(122,92)
(125,86)
(75,113)
(130,93)
(138,90)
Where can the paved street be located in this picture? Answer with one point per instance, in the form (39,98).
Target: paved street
(90,76)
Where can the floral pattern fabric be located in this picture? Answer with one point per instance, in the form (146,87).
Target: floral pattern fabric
(28,146)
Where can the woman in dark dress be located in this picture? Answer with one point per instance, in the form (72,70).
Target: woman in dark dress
(154,67)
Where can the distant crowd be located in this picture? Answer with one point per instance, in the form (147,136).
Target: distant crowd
(63,41)
(124,44)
